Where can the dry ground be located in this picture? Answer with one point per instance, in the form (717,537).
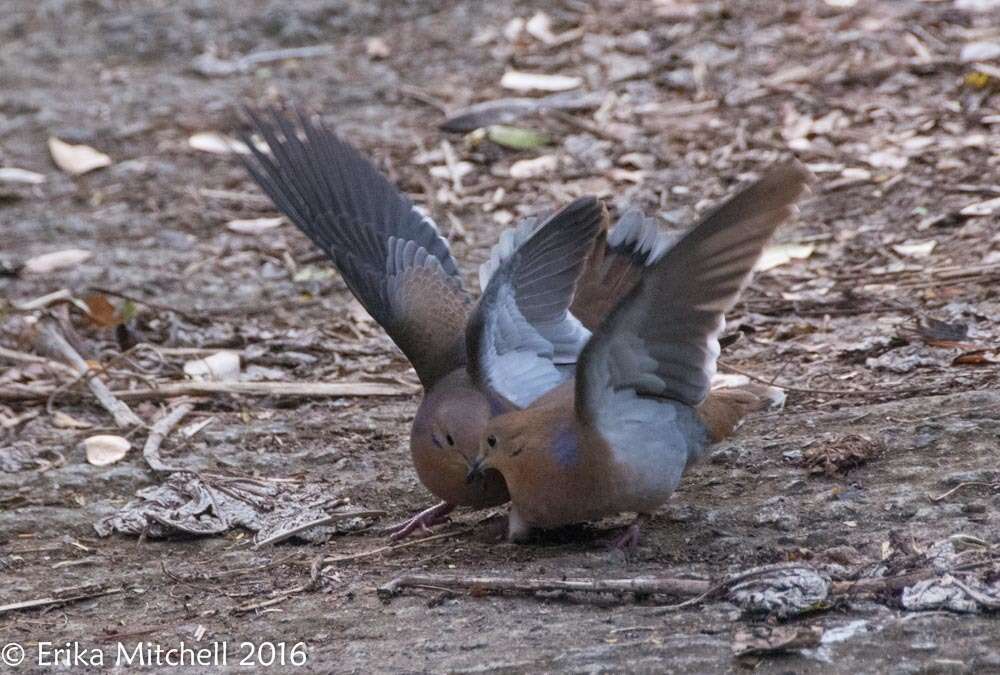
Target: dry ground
(903,136)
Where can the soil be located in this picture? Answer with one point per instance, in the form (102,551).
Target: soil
(882,417)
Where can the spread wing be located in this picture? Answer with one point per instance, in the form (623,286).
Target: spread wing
(661,342)
(615,265)
(522,330)
(390,255)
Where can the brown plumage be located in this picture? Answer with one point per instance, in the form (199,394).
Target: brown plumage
(641,410)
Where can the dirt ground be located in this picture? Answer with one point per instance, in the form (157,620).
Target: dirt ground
(887,449)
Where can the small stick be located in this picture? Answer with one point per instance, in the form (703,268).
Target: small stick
(44,602)
(159,432)
(642,585)
(874,393)
(395,547)
(17,392)
(325,520)
(960,486)
(696,588)
(51,340)
(24,357)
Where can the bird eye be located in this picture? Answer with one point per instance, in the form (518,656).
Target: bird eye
(491,441)
(449,439)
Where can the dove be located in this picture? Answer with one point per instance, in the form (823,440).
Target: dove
(474,360)
(618,436)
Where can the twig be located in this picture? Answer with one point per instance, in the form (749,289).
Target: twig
(873,393)
(15,392)
(51,340)
(698,589)
(281,597)
(325,520)
(395,547)
(641,585)
(23,357)
(160,430)
(424,97)
(57,600)
(960,486)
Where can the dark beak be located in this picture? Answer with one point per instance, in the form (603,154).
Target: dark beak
(475,471)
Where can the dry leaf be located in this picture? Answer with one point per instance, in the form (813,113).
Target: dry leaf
(101,311)
(49,262)
(220,366)
(521,81)
(63,421)
(217,144)
(761,640)
(377,48)
(980,357)
(885,159)
(915,249)
(779,254)
(76,159)
(540,27)
(10,174)
(254,225)
(532,168)
(987,208)
(105,449)
(980,51)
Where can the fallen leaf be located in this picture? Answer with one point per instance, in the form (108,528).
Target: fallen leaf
(254,225)
(76,159)
(937,333)
(979,357)
(980,51)
(987,208)
(540,27)
(10,174)
(520,81)
(377,48)
(104,449)
(885,159)
(517,138)
(915,249)
(762,640)
(49,262)
(217,144)
(220,366)
(838,456)
(779,254)
(61,420)
(101,311)
(308,273)
(533,168)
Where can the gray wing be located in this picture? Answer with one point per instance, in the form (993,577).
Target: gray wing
(391,256)
(522,330)
(661,342)
(616,264)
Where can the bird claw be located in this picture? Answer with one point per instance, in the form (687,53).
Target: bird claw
(423,521)
(628,541)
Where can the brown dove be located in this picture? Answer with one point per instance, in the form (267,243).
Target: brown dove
(474,360)
(618,437)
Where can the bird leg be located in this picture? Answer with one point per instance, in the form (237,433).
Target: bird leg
(628,541)
(423,521)
(518,529)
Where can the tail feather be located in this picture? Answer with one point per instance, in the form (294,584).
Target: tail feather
(725,408)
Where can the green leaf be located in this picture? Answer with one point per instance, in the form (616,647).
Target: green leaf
(516,138)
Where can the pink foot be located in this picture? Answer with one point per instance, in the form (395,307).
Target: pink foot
(628,541)
(423,521)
